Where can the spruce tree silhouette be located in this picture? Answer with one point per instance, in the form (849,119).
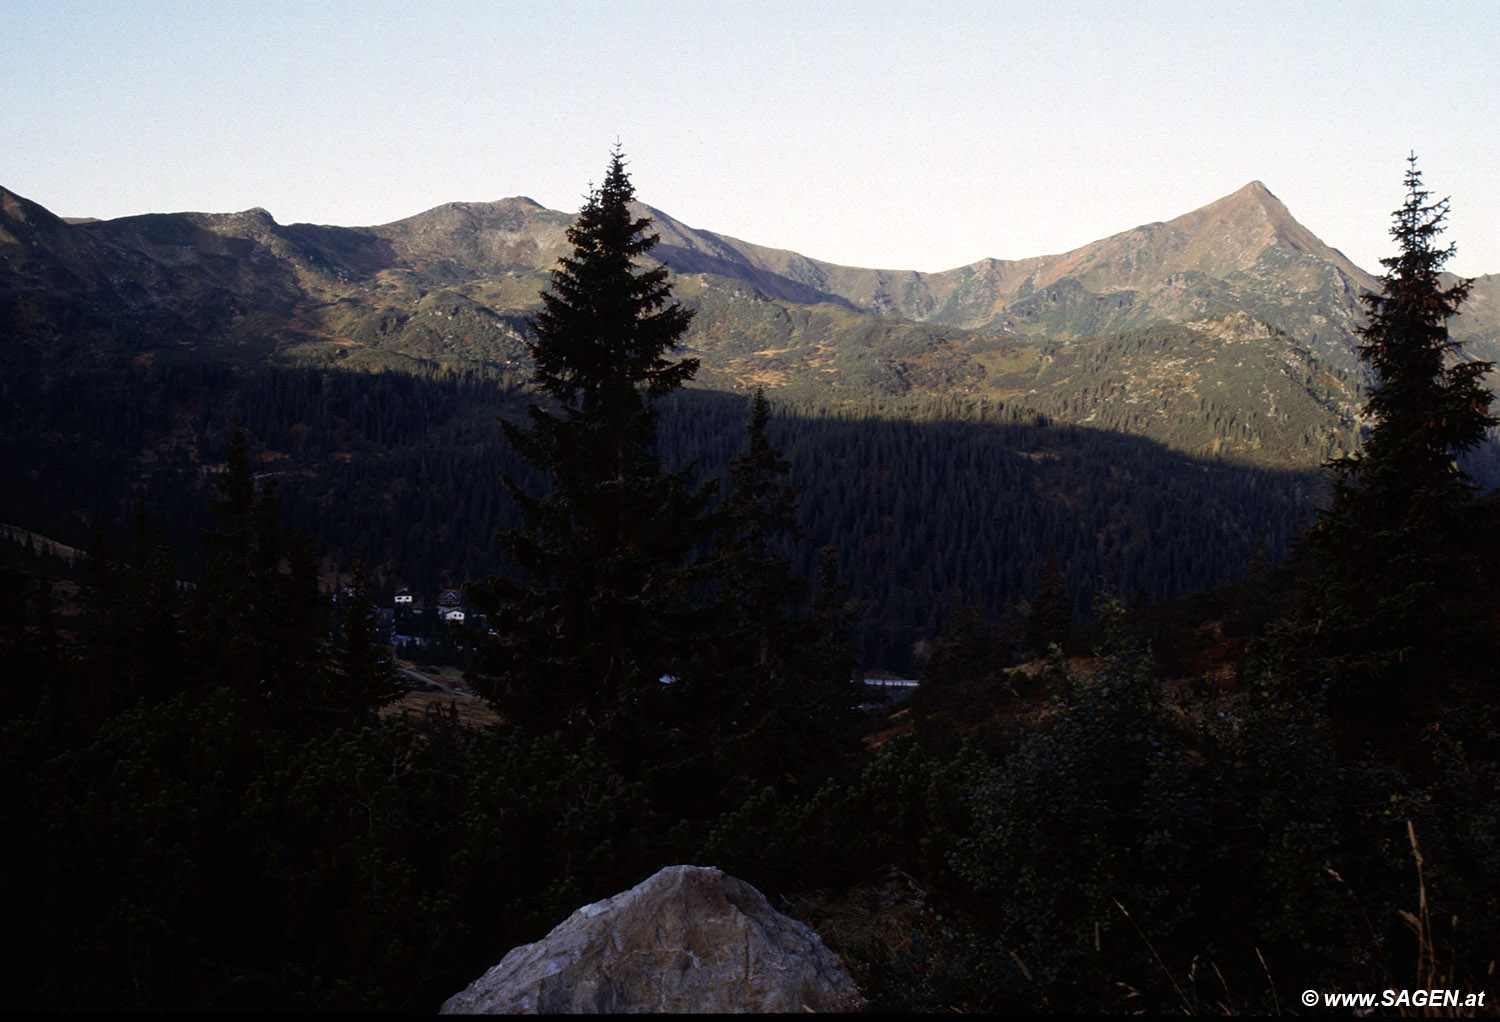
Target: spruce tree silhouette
(603,608)
(1397,601)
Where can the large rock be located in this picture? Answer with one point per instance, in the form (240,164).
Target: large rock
(688,939)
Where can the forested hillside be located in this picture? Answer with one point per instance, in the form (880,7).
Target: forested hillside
(924,498)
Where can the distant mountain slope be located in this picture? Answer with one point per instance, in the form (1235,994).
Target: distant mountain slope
(1258,361)
(1478,325)
(1244,252)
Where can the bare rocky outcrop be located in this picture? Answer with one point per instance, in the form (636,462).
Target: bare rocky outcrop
(688,939)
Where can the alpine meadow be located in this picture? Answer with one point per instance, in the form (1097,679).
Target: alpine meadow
(1114,631)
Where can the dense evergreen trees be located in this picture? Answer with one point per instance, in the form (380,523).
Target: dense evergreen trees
(971,649)
(358,677)
(759,513)
(923,498)
(207,812)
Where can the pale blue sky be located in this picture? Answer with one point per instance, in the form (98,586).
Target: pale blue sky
(905,135)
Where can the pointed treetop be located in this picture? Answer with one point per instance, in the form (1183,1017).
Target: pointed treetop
(605,326)
(1430,403)
(1417,224)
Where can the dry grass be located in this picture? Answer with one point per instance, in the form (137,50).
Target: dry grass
(470,712)
(465,708)
(1432,973)
(1187,994)
(882,931)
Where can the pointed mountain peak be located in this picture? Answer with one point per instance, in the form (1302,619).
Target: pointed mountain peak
(1229,235)
(1253,200)
(1253,218)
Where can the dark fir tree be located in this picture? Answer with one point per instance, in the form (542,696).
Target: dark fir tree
(358,676)
(1402,563)
(773,695)
(834,612)
(1051,617)
(132,645)
(757,518)
(257,621)
(966,652)
(601,611)
(29,661)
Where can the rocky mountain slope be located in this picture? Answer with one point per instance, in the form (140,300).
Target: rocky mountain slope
(1227,330)
(1247,240)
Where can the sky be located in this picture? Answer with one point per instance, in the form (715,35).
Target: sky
(903,135)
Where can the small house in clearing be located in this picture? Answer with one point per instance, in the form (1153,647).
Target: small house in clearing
(451,606)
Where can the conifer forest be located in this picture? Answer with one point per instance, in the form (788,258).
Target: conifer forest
(1191,734)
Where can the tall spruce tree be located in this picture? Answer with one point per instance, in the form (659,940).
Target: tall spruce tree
(967,651)
(256,621)
(1051,619)
(1401,561)
(603,610)
(358,676)
(1430,403)
(773,696)
(758,515)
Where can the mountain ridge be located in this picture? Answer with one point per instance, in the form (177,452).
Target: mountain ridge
(783,261)
(1235,303)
